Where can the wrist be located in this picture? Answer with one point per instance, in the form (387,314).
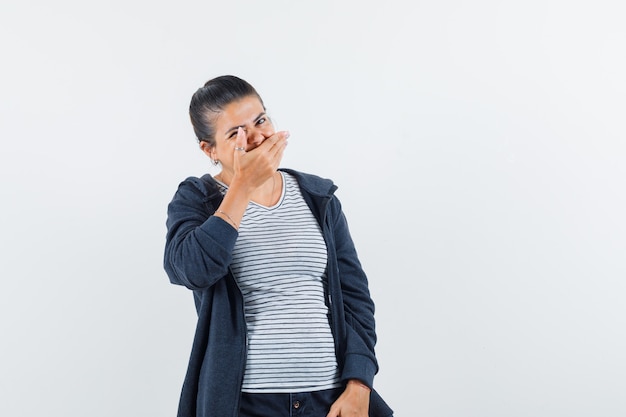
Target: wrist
(240,186)
(358,384)
(224,216)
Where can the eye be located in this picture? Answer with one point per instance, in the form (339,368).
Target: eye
(261,121)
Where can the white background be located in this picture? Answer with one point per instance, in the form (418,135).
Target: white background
(479,148)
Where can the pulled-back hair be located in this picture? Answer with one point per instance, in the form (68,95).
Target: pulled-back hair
(210,100)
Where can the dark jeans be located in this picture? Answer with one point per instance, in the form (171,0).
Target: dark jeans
(304,404)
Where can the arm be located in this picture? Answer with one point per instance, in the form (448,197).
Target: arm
(200,240)
(360,359)
(360,363)
(198,248)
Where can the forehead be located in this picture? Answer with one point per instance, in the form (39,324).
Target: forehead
(239,112)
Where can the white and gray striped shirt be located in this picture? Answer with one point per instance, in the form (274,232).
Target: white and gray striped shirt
(279,262)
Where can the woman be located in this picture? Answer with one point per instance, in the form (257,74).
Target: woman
(285,319)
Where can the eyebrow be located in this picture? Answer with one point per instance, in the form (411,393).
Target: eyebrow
(237,127)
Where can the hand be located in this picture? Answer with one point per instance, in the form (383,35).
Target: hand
(353,402)
(255,167)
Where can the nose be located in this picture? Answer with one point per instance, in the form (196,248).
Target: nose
(256,137)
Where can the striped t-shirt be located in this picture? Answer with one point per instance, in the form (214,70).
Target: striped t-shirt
(279,262)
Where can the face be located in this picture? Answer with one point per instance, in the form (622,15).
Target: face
(247,113)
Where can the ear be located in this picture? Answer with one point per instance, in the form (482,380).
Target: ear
(208,150)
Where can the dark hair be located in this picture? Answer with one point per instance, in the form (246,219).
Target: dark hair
(210,100)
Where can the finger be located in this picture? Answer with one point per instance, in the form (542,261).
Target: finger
(333,412)
(278,151)
(282,142)
(283,135)
(279,142)
(240,140)
(275,139)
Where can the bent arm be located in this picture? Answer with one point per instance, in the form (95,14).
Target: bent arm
(198,248)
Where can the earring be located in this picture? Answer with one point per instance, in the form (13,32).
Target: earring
(215,161)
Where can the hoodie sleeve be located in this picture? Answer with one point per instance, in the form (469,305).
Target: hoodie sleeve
(198,248)
(360,359)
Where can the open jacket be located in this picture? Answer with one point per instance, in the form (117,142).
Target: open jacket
(198,254)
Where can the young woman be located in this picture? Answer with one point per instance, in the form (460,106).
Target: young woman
(285,319)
